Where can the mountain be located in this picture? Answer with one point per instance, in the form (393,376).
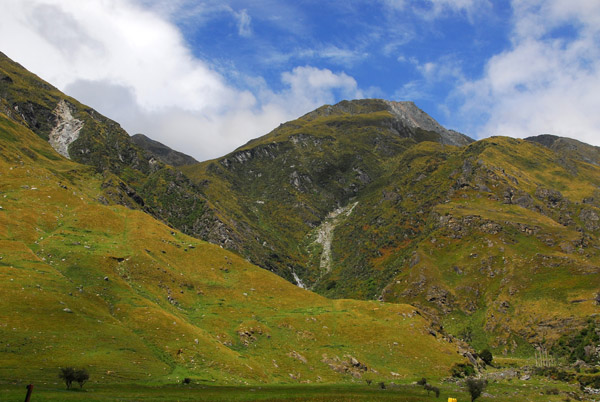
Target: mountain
(87,282)
(494,241)
(162,152)
(132,176)
(568,148)
(273,191)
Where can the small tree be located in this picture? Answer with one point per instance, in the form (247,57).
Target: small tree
(430,388)
(475,387)
(81,377)
(486,356)
(67,374)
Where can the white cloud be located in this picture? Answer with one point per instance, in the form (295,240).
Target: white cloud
(431,9)
(134,66)
(548,81)
(244,21)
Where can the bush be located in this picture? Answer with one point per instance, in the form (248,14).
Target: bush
(592,381)
(81,377)
(422,381)
(431,388)
(70,375)
(466,334)
(67,374)
(382,385)
(186,380)
(460,370)
(475,387)
(554,373)
(486,356)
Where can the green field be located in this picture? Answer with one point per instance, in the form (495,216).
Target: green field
(505,391)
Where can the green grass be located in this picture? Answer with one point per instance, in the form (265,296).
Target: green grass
(514,390)
(115,291)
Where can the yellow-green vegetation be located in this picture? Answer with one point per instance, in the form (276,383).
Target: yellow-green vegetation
(115,291)
(132,177)
(537,389)
(497,240)
(510,249)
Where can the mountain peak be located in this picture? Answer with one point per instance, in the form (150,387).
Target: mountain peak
(162,152)
(407,113)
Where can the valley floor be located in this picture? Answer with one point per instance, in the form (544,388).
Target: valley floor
(535,390)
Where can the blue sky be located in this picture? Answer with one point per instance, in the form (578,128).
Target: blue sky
(204,77)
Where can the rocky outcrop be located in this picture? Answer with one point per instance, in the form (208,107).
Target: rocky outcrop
(162,152)
(348,365)
(67,129)
(414,118)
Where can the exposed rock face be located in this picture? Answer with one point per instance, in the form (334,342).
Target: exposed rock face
(414,117)
(325,233)
(66,131)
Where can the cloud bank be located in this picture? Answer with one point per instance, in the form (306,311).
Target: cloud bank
(548,81)
(135,67)
(129,59)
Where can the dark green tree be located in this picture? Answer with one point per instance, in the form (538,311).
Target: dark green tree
(430,388)
(475,387)
(67,374)
(81,377)
(486,356)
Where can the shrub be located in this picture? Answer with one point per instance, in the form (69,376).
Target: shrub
(382,385)
(461,370)
(554,373)
(422,381)
(67,374)
(486,356)
(70,375)
(186,380)
(475,387)
(431,388)
(592,381)
(466,334)
(81,377)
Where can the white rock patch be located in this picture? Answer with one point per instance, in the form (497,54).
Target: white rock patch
(325,234)
(66,130)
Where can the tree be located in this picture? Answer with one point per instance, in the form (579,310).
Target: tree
(486,356)
(67,374)
(475,387)
(81,377)
(430,388)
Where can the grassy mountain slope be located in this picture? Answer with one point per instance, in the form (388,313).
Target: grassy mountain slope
(275,189)
(496,239)
(115,291)
(135,178)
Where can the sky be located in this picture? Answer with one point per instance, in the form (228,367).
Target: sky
(206,76)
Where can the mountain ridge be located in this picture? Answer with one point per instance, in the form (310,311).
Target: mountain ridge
(352,202)
(165,154)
